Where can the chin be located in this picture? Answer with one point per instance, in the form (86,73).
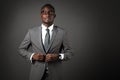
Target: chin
(47,22)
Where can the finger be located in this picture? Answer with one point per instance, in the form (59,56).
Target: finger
(48,59)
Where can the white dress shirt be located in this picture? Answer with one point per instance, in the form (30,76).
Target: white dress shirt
(44,31)
(43,37)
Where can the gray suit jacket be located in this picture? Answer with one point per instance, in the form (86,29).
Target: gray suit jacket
(58,44)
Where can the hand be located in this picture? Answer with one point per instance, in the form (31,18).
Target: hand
(51,57)
(38,56)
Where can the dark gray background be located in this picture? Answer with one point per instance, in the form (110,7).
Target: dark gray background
(93,27)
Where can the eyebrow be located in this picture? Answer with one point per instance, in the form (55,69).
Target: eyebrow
(48,11)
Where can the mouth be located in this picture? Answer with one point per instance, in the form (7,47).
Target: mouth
(47,20)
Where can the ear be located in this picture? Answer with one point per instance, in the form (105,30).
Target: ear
(40,15)
(54,15)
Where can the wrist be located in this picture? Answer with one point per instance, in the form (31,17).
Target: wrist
(59,56)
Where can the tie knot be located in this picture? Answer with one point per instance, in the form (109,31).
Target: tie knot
(47,30)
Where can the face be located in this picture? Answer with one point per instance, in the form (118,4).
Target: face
(47,15)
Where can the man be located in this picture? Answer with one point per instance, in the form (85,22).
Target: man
(49,46)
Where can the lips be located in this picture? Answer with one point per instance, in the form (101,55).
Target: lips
(47,19)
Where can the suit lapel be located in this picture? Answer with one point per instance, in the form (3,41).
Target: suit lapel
(40,38)
(53,37)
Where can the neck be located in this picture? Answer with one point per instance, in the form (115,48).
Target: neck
(47,25)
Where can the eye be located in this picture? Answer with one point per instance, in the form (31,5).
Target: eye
(42,11)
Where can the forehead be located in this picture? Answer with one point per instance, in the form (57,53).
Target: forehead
(47,8)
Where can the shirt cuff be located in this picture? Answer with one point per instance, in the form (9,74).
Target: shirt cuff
(31,57)
(61,56)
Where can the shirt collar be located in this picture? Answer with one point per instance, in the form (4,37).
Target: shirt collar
(50,27)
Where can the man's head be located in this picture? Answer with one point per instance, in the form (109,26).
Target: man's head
(47,14)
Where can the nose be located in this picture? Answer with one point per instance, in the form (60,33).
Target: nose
(47,14)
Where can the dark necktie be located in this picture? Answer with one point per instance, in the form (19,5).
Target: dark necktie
(47,39)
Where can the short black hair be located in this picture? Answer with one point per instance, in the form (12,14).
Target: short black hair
(48,5)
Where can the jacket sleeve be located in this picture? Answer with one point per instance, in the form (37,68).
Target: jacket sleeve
(67,50)
(24,46)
